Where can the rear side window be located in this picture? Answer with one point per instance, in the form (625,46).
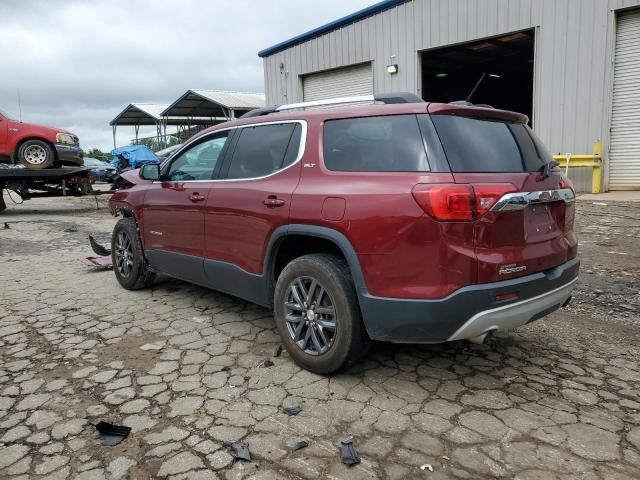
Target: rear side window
(479,145)
(375,144)
(264,149)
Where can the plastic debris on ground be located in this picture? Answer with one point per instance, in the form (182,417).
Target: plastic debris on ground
(267,364)
(292,410)
(241,451)
(6,226)
(426,466)
(348,453)
(299,445)
(112,434)
(98,262)
(97,248)
(277,351)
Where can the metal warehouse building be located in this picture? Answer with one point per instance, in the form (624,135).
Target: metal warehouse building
(573,66)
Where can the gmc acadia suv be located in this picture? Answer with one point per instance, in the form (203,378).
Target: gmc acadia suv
(404,222)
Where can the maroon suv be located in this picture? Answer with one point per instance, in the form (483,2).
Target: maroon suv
(396,220)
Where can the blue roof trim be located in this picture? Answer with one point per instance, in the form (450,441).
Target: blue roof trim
(341,22)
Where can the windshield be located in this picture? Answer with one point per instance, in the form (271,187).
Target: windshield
(5,114)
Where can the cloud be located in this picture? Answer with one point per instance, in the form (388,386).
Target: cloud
(77,64)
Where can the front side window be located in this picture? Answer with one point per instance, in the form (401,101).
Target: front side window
(264,149)
(390,143)
(198,162)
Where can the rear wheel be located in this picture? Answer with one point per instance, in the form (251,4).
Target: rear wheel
(129,264)
(317,314)
(36,154)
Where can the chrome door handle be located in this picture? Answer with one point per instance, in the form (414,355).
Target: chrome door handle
(196,197)
(273,201)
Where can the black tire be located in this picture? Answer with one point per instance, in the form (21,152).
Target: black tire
(349,342)
(136,275)
(36,155)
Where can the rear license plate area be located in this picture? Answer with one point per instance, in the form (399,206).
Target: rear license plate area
(539,223)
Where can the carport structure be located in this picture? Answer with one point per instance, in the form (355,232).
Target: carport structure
(151,114)
(213,104)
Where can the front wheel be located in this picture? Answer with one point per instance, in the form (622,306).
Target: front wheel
(129,264)
(317,314)
(36,154)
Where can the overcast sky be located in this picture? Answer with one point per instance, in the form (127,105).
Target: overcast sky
(79,63)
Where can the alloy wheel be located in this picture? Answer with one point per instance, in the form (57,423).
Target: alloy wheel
(124,254)
(310,315)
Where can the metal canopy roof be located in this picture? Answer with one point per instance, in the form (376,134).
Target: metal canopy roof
(213,103)
(137,114)
(329,27)
(140,114)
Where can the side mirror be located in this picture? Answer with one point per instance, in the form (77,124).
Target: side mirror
(150,171)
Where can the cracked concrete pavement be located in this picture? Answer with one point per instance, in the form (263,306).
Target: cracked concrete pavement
(182,366)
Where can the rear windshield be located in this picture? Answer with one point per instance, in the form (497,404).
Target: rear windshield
(390,143)
(480,145)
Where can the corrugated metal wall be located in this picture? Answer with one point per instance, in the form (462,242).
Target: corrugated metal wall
(574,52)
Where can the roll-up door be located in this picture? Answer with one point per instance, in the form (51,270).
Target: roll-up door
(340,82)
(624,150)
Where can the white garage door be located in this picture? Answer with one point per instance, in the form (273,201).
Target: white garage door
(341,82)
(624,152)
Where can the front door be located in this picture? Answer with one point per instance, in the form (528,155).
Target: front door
(250,201)
(173,214)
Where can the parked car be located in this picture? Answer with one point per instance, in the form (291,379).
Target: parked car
(166,152)
(37,146)
(100,171)
(402,222)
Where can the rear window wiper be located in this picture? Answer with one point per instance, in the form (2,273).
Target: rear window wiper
(547,167)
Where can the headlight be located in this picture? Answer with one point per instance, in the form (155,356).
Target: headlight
(64,138)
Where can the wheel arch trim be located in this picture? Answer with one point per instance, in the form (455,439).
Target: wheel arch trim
(336,237)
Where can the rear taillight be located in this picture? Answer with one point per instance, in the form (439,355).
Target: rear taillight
(458,202)
(566,183)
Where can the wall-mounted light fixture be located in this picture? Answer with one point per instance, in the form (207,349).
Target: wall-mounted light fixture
(392,68)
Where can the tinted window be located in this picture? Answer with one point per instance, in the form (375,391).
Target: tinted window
(199,161)
(475,145)
(261,150)
(375,144)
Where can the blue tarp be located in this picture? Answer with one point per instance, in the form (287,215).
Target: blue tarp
(135,155)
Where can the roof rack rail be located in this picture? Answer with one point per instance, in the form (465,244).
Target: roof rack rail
(388,98)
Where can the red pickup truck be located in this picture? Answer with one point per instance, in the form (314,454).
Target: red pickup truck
(36,146)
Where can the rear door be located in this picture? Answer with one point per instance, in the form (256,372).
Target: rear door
(251,199)
(531,228)
(173,213)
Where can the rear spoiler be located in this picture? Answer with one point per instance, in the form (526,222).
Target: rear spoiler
(476,111)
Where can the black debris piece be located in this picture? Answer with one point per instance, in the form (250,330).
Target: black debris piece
(241,451)
(97,248)
(277,351)
(112,434)
(300,445)
(225,369)
(267,363)
(291,411)
(6,226)
(348,452)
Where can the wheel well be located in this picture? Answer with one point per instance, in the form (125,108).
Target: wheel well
(19,144)
(294,246)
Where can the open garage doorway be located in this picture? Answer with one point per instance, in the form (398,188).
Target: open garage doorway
(504,63)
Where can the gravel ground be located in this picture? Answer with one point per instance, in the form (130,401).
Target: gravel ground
(184,368)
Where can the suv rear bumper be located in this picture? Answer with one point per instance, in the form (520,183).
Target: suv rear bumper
(470,311)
